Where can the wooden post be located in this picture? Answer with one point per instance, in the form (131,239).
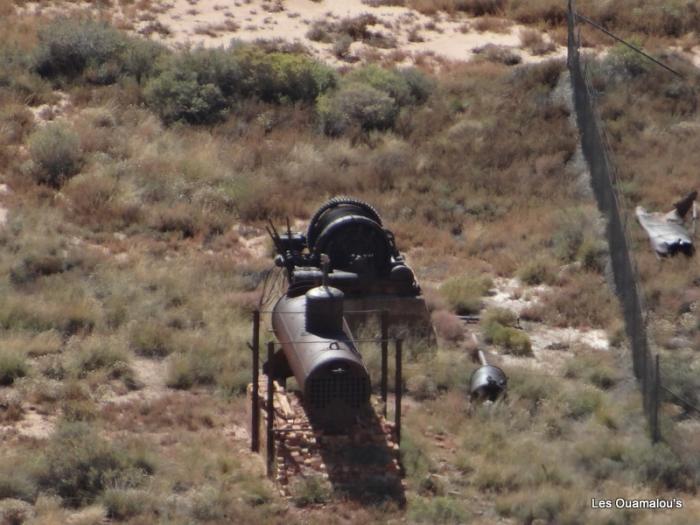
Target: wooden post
(270,410)
(385,356)
(655,434)
(398,391)
(255,402)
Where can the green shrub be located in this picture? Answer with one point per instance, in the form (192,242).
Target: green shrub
(191,368)
(309,491)
(463,293)
(497,329)
(621,57)
(356,106)
(151,339)
(96,50)
(537,271)
(13,365)
(282,77)
(594,369)
(56,152)
(200,86)
(582,402)
(441,509)
(78,465)
(16,483)
(97,353)
(122,504)
(388,81)
(178,96)
(420,86)
(682,378)
(660,465)
(68,47)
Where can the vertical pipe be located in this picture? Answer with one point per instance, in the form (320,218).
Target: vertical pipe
(270,410)
(655,434)
(255,402)
(398,390)
(385,356)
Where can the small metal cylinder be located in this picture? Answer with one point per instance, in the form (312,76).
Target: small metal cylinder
(487,383)
(324,310)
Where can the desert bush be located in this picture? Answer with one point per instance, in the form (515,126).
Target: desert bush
(533,41)
(67,313)
(356,106)
(497,326)
(420,85)
(622,58)
(97,200)
(178,96)
(188,369)
(310,491)
(11,409)
(200,86)
(415,457)
(441,509)
(679,374)
(16,121)
(78,465)
(551,12)
(538,271)
(592,367)
(180,218)
(463,293)
(498,54)
(658,464)
(531,387)
(100,52)
(582,402)
(13,365)
(77,404)
(68,47)
(341,47)
(283,77)
(151,338)
(421,387)
(56,153)
(447,325)
(579,303)
(122,504)
(388,81)
(512,340)
(16,482)
(99,353)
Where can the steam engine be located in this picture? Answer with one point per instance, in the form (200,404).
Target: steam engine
(345,253)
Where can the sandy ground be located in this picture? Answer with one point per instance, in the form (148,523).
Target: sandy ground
(551,346)
(213,23)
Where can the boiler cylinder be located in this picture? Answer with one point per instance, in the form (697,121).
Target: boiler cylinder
(327,366)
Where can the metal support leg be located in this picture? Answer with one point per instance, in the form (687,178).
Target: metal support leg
(385,357)
(398,390)
(255,402)
(270,411)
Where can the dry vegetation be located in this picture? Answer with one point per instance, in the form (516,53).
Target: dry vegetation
(120,255)
(659,19)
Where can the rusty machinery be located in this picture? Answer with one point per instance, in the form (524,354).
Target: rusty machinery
(345,253)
